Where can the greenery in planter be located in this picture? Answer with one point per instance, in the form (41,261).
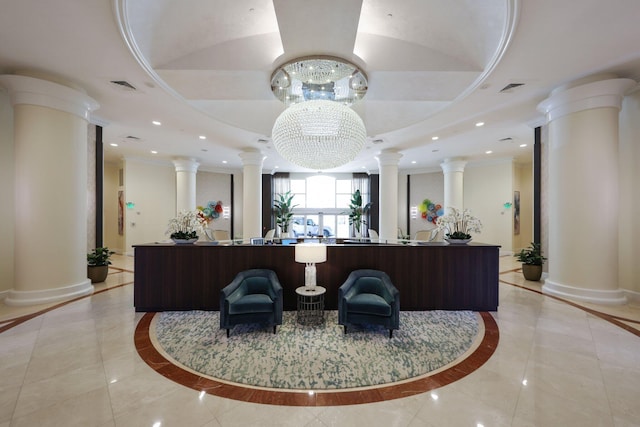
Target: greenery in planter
(357,211)
(532,255)
(99,256)
(283,210)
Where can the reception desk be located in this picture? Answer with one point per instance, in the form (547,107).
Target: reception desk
(433,276)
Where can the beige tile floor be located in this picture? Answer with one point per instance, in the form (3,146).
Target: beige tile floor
(556,365)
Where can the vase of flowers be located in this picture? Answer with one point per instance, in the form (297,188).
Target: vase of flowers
(457,225)
(184,227)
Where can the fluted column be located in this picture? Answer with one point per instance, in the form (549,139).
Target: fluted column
(252,193)
(186,170)
(388,209)
(453,170)
(583,190)
(50,140)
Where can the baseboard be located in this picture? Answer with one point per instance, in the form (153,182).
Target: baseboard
(596,296)
(632,296)
(45,296)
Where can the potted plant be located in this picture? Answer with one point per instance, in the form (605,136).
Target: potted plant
(532,260)
(284,212)
(183,228)
(357,212)
(98,264)
(457,225)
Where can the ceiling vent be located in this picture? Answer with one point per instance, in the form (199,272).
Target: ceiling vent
(510,86)
(507,139)
(263,141)
(377,141)
(123,84)
(132,138)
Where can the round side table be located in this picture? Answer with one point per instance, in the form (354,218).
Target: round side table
(310,305)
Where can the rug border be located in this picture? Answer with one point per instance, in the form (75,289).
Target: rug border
(165,367)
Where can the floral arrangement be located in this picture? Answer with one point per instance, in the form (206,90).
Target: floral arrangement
(430,211)
(458,225)
(211,211)
(186,225)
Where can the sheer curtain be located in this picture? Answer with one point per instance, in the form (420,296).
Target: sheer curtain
(281,184)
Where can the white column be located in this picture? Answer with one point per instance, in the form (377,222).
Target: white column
(186,170)
(388,209)
(50,139)
(583,190)
(252,193)
(453,170)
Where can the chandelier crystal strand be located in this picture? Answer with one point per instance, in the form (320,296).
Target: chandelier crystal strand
(319,134)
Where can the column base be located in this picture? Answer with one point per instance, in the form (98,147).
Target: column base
(596,296)
(45,296)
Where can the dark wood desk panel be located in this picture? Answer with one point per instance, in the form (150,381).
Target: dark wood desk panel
(438,276)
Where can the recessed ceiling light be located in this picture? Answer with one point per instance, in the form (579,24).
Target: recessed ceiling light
(480,124)
(523,145)
(413,162)
(202,137)
(157,123)
(113,144)
(488,152)
(224,161)
(435,138)
(276,167)
(154,152)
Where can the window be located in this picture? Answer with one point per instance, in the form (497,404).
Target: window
(322,203)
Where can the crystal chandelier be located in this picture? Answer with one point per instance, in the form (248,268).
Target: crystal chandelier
(318,130)
(319,134)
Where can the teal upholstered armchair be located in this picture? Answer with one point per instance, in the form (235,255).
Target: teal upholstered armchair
(369,297)
(254,296)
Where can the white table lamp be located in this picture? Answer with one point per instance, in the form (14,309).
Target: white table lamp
(310,254)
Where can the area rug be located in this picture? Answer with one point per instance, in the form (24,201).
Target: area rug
(316,357)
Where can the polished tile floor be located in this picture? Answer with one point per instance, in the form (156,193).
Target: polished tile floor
(557,364)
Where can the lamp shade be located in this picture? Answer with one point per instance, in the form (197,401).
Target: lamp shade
(311,252)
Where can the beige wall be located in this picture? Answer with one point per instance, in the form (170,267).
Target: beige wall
(152,187)
(211,187)
(487,186)
(425,186)
(112,239)
(523,182)
(91,186)
(7,194)
(629,213)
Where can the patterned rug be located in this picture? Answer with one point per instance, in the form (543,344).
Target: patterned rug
(316,357)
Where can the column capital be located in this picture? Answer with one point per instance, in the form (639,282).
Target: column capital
(252,158)
(587,96)
(453,165)
(33,91)
(186,165)
(388,158)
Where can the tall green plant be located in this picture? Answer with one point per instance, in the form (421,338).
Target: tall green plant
(283,210)
(357,211)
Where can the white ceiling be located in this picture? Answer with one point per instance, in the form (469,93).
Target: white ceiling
(435,68)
